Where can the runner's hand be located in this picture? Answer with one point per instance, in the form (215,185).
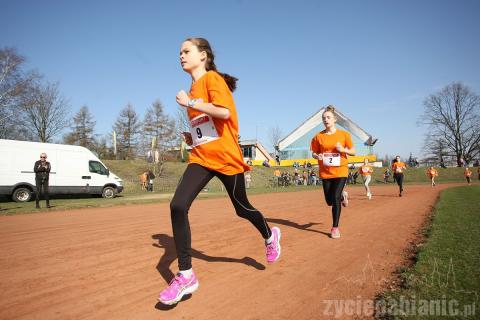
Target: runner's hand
(339,147)
(187,137)
(182,98)
(317,156)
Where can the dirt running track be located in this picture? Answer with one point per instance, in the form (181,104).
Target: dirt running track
(111,263)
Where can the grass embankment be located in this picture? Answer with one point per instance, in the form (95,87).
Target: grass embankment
(129,171)
(166,182)
(445,280)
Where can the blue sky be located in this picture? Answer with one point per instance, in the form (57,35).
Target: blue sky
(376,61)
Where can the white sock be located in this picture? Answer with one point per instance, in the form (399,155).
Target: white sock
(187,273)
(269,240)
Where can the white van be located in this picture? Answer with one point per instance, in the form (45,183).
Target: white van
(75,170)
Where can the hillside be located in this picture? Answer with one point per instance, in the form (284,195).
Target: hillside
(129,171)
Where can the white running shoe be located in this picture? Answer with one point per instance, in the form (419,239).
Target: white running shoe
(344,198)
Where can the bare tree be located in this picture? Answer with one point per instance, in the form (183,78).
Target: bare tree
(101,148)
(158,125)
(44,111)
(453,116)
(13,84)
(158,134)
(127,128)
(182,120)
(435,150)
(83,128)
(275,135)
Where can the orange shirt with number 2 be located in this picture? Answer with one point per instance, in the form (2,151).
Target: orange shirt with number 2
(325,144)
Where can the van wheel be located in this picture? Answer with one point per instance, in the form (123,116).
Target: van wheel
(109,192)
(22,195)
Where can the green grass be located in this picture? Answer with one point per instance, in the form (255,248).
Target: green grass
(129,170)
(448,263)
(165,185)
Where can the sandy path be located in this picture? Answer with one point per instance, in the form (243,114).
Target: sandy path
(110,263)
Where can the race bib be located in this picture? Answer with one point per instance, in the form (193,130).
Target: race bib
(203,130)
(365,169)
(331,159)
(399,170)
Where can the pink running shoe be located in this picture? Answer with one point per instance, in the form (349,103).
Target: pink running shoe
(274,249)
(335,233)
(178,287)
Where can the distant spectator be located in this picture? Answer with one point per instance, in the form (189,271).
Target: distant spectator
(277,159)
(355,176)
(461,162)
(278,176)
(386,175)
(150,177)
(42,174)
(286,179)
(248,179)
(249,162)
(305,177)
(313,178)
(350,178)
(266,164)
(478,172)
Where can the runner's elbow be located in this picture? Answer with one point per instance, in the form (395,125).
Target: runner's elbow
(224,114)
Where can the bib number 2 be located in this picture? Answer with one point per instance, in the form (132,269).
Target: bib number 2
(331,159)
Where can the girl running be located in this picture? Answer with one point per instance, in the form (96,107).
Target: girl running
(331,147)
(468,175)
(215,153)
(432,173)
(366,171)
(398,167)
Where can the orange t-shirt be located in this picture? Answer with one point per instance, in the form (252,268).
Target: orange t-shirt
(398,167)
(335,164)
(365,170)
(468,172)
(221,151)
(432,173)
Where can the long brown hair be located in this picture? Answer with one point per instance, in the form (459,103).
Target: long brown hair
(203,45)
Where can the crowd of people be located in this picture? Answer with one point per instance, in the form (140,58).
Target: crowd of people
(286,178)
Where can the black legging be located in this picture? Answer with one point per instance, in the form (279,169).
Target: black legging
(192,182)
(332,189)
(399,179)
(41,188)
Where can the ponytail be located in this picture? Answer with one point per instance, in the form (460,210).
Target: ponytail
(203,45)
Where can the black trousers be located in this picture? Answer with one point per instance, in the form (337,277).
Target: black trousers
(399,178)
(332,190)
(42,187)
(192,182)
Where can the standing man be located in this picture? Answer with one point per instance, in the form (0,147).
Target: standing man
(42,171)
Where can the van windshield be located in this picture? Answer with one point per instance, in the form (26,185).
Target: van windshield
(97,167)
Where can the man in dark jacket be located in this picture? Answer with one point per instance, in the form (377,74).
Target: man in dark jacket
(42,171)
